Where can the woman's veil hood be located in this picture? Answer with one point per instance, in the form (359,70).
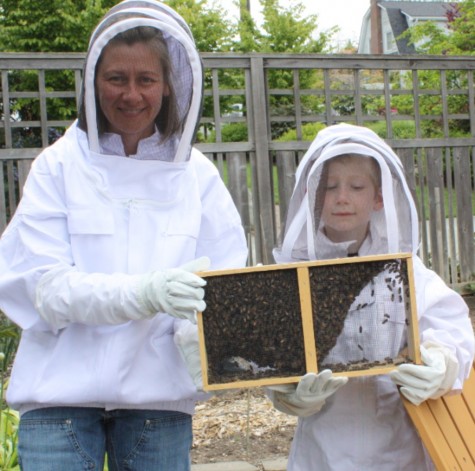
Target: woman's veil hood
(186,74)
(396,224)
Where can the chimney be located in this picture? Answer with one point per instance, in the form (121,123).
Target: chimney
(376,44)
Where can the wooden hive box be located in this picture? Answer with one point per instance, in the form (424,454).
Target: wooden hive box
(272,324)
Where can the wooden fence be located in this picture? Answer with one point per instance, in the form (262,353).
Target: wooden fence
(424,105)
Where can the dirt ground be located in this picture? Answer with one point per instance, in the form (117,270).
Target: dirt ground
(242,425)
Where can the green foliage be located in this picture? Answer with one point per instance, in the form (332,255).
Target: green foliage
(248,37)
(9,421)
(9,337)
(232,132)
(428,38)
(309,131)
(462,39)
(49,26)
(289,29)
(401,129)
(459,39)
(211,28)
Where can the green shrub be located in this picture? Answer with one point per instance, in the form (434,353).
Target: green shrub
(9,421)
(232,132)
(9,337)
(401,129)
(309,131)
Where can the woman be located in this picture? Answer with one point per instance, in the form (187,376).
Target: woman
(97,262)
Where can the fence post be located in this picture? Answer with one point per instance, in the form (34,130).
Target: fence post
(265,202)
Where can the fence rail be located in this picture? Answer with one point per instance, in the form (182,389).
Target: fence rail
(432,96)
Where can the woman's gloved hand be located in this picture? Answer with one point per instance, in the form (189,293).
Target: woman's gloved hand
(65,295)
(431,380)
(176,291)
(309,396)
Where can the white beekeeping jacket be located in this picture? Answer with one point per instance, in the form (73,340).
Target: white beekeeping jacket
(88,219)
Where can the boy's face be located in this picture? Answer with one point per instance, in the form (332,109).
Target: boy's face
(351,196)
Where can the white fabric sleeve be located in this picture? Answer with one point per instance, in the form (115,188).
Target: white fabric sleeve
(444,319)
(65,295)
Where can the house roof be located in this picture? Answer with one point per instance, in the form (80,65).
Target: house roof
(398,12)
(418,9)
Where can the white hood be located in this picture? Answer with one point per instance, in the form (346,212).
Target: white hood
(396,224)
(186,76)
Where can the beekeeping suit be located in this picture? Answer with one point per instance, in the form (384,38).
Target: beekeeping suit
(91,224)
(363,425)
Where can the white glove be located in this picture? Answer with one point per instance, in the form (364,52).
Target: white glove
(65,295)
(186,340)
(431,380)
(310,394)
(176,291)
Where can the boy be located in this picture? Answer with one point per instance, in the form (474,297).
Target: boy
(351,198)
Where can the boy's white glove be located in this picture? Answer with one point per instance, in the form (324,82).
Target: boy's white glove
(309,396)
(176,291)
(431,380)
(186,340)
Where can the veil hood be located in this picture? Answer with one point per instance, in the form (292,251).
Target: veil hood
(186,73)
(396,225)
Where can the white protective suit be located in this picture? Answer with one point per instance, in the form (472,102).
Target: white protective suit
(364,426)
(87,212)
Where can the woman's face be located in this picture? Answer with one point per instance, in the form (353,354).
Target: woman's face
(130,87)
(351,197)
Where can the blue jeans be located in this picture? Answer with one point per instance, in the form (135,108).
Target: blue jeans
(77,438)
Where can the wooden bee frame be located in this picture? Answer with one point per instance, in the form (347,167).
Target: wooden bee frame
(272,324)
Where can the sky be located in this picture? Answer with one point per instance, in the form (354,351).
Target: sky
(347,14)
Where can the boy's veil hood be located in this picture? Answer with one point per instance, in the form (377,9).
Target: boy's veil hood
(186,74)
(396,224)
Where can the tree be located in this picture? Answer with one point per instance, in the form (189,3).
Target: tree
(49,26)
(46,26)
(458,39)
(284,29)
(212,30)
(461,18)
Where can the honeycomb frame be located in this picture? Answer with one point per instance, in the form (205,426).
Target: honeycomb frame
(273,313)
